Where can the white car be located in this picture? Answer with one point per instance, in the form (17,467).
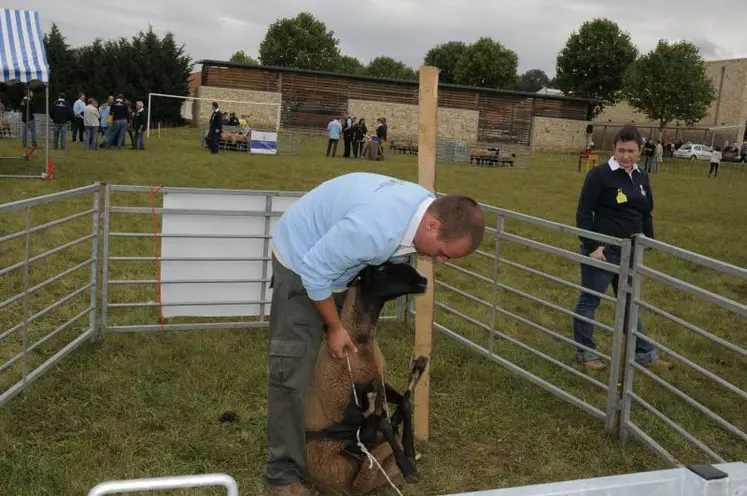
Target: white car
(693,151)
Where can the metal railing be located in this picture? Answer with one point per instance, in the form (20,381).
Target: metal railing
(272,207)
(637,303)
(516,321)
(165,483)
(30,232)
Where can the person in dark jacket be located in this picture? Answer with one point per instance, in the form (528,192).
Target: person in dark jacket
(28,121)
(616,200)
(216,129)
(61,114)
(120,113)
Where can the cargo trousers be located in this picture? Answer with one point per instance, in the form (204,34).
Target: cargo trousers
(295,334)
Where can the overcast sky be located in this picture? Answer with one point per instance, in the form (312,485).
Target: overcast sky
(403,29)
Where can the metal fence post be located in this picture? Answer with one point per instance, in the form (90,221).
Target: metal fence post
(265,255)
(500,225)
(105,265)
(95,260)
(632,324)
(26,268)
(617,365)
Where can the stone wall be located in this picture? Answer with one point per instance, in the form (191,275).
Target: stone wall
(262,116)
(732,108)
(558,135)
(402,120)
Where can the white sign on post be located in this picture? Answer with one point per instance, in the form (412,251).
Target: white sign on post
(215,249)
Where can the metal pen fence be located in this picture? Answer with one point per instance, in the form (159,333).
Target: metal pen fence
(501,303)
(631,396)
(122,231)
(22,289)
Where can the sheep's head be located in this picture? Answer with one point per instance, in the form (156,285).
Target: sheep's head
(382,283)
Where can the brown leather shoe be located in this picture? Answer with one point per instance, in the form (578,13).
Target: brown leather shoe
(592,365)
(292,489)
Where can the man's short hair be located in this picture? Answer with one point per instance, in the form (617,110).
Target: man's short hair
(461,216)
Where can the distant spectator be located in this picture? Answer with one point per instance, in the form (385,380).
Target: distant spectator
(347,133)
(91,121)
(233,120)
(334,128)
(104,110)
(359,137)
(216,129)
(78,125)
(61,115)
(658,156)
(28,122)
(716,157)
(119,127)
(381,133)
(139,124)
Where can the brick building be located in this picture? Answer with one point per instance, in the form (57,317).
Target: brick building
(310,99)
(729,78)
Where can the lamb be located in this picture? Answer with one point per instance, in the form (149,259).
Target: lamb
(334,415)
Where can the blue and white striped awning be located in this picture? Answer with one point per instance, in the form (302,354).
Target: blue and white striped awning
(22,54)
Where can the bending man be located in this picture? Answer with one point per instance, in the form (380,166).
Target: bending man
(324,239)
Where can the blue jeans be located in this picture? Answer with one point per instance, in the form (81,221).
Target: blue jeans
(91,137)
(60,133)
(25,126)
(599,280)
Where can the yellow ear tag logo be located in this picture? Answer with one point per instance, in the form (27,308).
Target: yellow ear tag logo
(621,198)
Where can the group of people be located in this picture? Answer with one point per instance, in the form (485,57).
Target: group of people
(355,136)
(327,236)
(112,120)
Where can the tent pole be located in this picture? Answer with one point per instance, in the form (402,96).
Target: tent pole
(46,139)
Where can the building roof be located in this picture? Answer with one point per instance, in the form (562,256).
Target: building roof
(218,63)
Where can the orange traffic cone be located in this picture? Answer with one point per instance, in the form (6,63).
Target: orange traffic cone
(50,169)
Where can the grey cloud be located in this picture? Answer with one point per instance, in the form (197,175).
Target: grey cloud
(404,29)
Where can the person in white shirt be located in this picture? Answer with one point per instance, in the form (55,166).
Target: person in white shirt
(716,157)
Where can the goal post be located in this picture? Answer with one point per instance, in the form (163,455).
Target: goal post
(273,117)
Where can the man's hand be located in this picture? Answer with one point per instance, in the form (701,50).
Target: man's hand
(338,340)
(598,254)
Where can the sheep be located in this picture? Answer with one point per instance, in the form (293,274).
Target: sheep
(332,414)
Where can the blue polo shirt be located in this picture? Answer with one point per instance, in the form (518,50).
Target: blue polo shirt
(336,229)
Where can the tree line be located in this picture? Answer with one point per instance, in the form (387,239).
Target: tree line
(599,61)
(145,63)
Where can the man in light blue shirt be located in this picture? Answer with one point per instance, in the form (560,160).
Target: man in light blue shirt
(319,245)
(78,126)
(334,128)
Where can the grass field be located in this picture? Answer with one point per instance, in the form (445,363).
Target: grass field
(137,405)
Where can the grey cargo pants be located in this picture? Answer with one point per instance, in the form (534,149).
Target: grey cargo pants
(296,331)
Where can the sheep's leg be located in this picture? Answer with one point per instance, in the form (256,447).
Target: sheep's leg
(370,477)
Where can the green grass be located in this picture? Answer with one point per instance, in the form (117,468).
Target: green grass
(143,405)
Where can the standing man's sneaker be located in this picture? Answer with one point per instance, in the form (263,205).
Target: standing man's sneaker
(292,489)
(591,365)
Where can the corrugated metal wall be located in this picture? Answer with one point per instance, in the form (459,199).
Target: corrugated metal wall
(311,100)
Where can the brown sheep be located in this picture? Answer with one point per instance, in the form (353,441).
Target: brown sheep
(333,417)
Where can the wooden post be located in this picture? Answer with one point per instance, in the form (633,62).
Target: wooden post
(427,125)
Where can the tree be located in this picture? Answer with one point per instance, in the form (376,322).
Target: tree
(445,57)
(390,68)
(670,83)
(533,80)
(349,65)
(302,42)
(241,57)
(487,63)
(594,61)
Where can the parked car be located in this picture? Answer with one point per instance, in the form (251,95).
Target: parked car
(732,154)
(693,151)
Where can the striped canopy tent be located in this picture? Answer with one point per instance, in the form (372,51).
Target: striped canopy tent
(23,60)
